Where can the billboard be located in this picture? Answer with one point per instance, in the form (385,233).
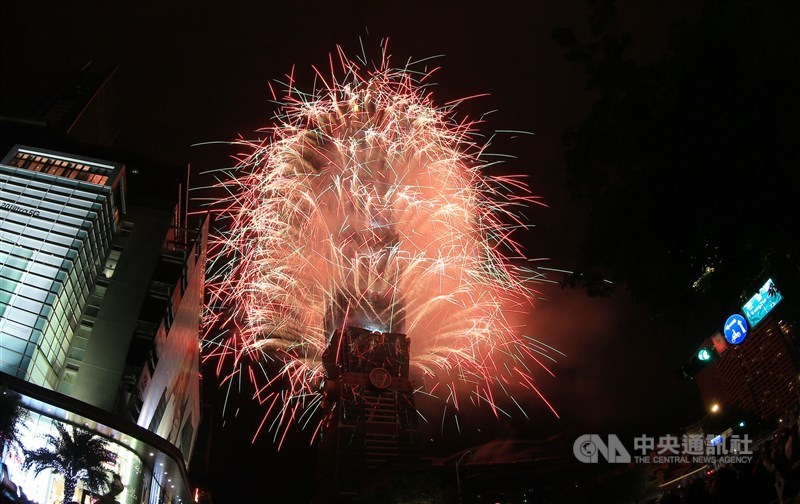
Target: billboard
(762,303)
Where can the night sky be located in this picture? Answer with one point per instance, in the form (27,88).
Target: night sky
(198,72)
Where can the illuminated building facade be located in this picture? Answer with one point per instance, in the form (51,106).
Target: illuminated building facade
(56,232)
(101,293)
(759,376)
(755,365)
(370,415)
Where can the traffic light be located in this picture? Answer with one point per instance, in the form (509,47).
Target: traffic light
(704,356)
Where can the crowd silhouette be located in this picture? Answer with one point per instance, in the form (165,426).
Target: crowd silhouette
(771,477)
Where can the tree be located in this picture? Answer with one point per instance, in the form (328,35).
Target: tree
(12,415)
(77,455)
(689,163)
(409,487)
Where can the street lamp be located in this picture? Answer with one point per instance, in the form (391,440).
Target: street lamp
(458,477)
(713,409)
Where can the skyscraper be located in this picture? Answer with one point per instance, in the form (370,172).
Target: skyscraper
(758,376)
(370,414)
(101,292)
(754,367)
(56,234)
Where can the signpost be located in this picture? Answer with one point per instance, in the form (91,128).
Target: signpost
(758,306)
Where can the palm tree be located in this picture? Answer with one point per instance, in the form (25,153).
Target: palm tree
(12,415)
(77,456)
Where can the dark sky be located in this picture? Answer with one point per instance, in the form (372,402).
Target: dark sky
(195,72)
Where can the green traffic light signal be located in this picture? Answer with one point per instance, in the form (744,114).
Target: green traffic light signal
(704,355)
(703,358)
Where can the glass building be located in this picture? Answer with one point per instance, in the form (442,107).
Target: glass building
(101,293)
(58,216)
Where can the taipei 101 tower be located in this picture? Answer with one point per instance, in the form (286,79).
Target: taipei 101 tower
(365,222)
(370,418)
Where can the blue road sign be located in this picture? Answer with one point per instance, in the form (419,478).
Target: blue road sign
(758,306)
(735,329)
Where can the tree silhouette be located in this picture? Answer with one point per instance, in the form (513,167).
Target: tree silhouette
(12,415)
(689,161)
(77,455)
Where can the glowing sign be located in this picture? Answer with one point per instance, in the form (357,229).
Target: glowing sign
(762,303)
(735,329)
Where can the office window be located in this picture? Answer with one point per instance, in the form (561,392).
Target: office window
(60,168)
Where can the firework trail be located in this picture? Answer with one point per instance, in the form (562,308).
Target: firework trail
(369,206)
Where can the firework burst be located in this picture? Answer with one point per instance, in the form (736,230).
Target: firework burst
(367,205)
